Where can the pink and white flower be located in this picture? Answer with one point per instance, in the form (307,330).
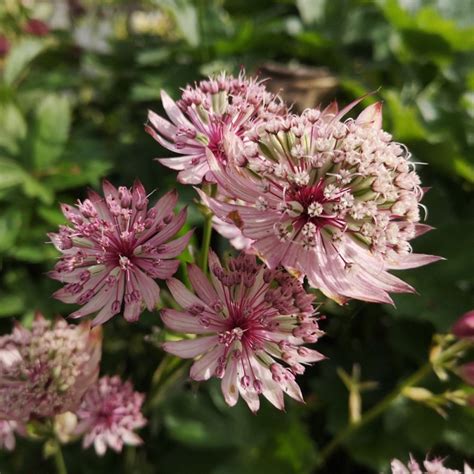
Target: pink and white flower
(46,370)
(204,116)
(114,250)
(109,415)
(250,323)
(435,466)
(337,202)
(7,434)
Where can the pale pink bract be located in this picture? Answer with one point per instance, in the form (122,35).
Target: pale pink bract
(109,414)
(434,466)
(46,370)
(251,324)
(204,116)
(7,434)
(337,202)
(114,250)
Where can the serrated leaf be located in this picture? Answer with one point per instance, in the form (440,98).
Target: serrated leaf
(51,131)
(20,56)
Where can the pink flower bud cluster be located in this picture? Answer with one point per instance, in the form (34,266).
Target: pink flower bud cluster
(434,466)
(45,371)
(115,249)
(203,119)
(109,414)
(336,201)
(251,326)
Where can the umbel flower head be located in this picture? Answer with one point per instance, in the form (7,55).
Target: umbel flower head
(204,116)
(109,414)
(435,466)
(335,201)
(114,249)
(251,324)
(46,370)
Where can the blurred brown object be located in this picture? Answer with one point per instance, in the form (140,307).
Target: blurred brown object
(300,85)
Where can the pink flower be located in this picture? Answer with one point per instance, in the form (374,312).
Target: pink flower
(4,46)
(337,202)
(109,414)
(7,434)
(204,116)
(466,372)
(115,249)
(435,466)
(250,325)
(36,27)
(464,326)
(231,232)
(46,370)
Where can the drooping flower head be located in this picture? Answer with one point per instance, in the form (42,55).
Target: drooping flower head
(335,201)
(251,324)
(204,116)
(46,370)
(7,434)
(109,414)
(114,249)
(435,466)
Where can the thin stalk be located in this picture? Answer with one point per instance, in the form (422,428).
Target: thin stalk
(383,405)
(59,460)
(206,242)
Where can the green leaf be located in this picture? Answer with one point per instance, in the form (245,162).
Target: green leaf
(10,305)
(11,173)
(20,56)
(10,223)
(51,132)
(12,127)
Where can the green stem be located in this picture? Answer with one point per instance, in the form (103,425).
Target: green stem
(59,460)
(206,242)
(378,409)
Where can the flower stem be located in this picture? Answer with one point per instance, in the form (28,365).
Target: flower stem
(384,404)
(59,460)
(206,242)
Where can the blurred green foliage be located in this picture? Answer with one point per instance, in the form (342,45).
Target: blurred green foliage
(72,107)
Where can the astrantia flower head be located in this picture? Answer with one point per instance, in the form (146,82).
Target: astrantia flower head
(335,201)
(7,434)
(46,370)
(435,466)
(114,249)
(251,325)
(109,415)
(463,328)
(204,116)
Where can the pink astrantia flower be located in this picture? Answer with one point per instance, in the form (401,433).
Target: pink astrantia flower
(464,326)
(7,434)
(232,233)
(466,372)
(204,116)
(435,466)
(335,201)
(110,414)
(114,250)
(46,370)
(251,324)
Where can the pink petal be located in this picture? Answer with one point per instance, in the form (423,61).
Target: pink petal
(205,367)
(182,295)
(185,323)
(190,348)
(201,285)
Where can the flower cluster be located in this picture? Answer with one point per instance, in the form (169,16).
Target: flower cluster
(205,118)
(109,414)
(45,371)
(336,201)
(114,250)
(434,466)
(251,324)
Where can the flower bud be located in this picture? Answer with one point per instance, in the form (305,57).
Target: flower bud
(464,327)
